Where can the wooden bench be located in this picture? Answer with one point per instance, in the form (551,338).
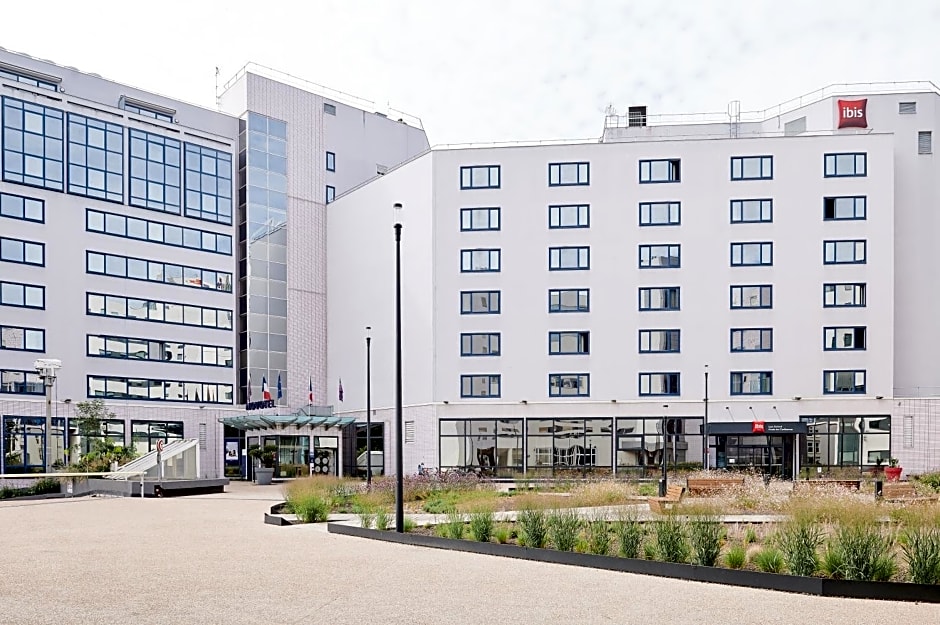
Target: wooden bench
(673,496)
(709,485)
(850,484)
(902,491)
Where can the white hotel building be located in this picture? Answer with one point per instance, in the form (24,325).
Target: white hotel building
(563,301)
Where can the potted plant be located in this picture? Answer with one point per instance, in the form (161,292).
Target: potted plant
(266,457)
(893,471)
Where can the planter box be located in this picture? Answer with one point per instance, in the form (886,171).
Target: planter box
(895,591)
(263,476)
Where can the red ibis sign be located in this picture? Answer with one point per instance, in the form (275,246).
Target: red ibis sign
(758,427)
(852,113)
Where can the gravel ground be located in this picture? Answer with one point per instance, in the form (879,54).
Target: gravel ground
(211,560)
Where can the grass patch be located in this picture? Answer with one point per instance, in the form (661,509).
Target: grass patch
(736,556)
(799,539)
(630,534)
(705,536)
(598,536)
(454,526)
(769,560)
(534,530)
(670,539)
(564,527)
(382,519)
(921,549)
(481,525)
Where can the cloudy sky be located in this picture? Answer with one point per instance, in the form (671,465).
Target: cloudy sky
(498,70)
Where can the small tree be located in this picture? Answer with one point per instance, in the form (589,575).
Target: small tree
(88,420)
(96,453)
(265,455)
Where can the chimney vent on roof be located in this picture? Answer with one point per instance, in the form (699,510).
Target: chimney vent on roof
(636,116)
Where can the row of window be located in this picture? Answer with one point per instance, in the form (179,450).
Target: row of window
(128,348)
(835,382)
(20,251)
(660,341)
(759,167)
(18,382)
(35,140)
(159,390)
(835,295)
(155,271)
(24,208)
(118,306)
(157,232)
(665,256)
(18,338)
(22,295)
(760,210)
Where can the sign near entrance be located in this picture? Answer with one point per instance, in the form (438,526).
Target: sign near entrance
(259,405)
(852,113)
(757,427)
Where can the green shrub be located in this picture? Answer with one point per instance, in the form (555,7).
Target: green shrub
(832,563)
(866,552)
(799,540)
(647,489)
(44,486)
(649,551)
(769,560)
(440,502)
(736,557)
(931,480)
(750,535)
(534,532)
(309,508)
(454,526)
(409,524)
(366,516)
(501,534)
(598,537)
(629,536)
(671,542)
(564,527)
(921,548)
(705,534)
(481,525)
(382,519)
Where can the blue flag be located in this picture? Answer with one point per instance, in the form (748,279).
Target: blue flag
(280,392)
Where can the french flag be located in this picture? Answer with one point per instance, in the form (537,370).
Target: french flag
(310,394)
(265,391)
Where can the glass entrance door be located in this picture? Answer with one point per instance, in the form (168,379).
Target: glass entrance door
(771,455)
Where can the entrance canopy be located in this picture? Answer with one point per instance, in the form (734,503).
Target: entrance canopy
(310,416)
(744,428)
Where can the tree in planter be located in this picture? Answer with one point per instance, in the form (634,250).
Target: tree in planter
(96,454)
(264,455)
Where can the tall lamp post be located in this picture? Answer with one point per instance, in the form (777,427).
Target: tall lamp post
(705,459)
(46,368)
(663,479)
(369,407)
(399,463)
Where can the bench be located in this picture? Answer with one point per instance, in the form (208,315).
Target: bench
(709,485)
(850,484)
(902,491)
(673,496)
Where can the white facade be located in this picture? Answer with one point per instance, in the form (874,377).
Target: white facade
(898,228)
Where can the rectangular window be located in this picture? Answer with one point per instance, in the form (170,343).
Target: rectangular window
(907,108)
(329,109)
(157,232)
(569,216)
(838,208)
(208,184)
(25,208)
(153,271)
(479,219)
(569,385)
(844,294)
(330,193)
(663,170)
(575,342)
(480,177)
(569,300)
(101,346)
(20,251)
(660,256)
(659,384)
(752,167)
(845,381)
(330,161)
(569,258)
(659,298)
(752,382)
(750,254)
(144,389)
(479,385)
(660,213)
(659,341)
(479,344)
(28,79)
(154,172)
(22,339)
(752,340)
(33,151)
(569,174)
(22,295)
(479,302)
(849,338)
(847,164)
(148,112)
(14,382)
(752,296)
(844,252)
(118,306)
(96,158)
(479,260)
(752,211)
(925,142)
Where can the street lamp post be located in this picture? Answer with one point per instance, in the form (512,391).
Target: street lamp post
(705,459)
(368,407)
(47,368)
(399,463)
(663,480)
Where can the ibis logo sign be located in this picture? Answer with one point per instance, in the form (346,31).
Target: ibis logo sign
(852,113)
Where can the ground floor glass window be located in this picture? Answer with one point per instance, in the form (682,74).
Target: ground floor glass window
(146,434)
(24,444)
(492,447)
(847,441)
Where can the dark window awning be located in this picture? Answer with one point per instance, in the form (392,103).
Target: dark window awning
(742,428)
(307,417)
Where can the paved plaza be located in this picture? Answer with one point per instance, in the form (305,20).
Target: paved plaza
(210,559)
